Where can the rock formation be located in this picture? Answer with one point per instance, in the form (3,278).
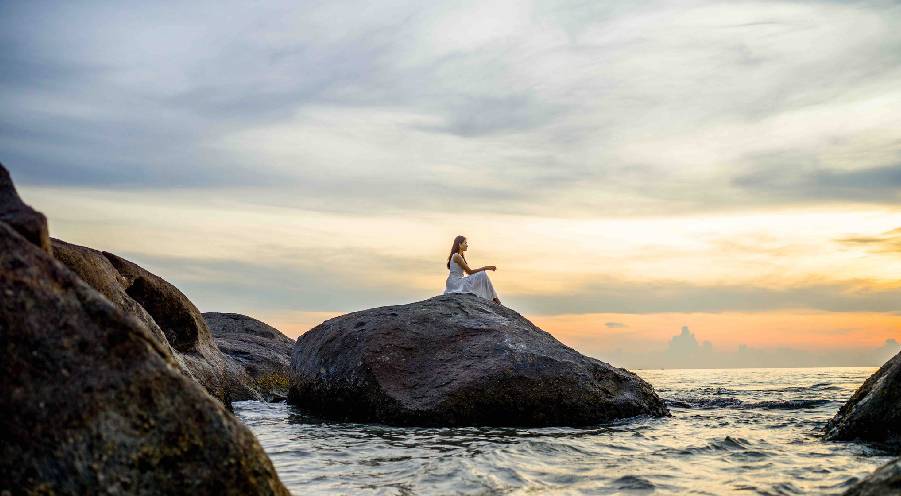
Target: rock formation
(93,402)
(457,360)
(255,348)
(884,482)
(19,216)
(874,412)
(93,268)
(165,311)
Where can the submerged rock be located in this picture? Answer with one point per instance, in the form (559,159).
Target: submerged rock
(457,360)
(165,311)
(93,402)
(19,216)
(255,348)
(874,411)
(884,482)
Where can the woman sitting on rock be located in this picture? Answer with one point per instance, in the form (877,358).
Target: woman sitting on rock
(477,281)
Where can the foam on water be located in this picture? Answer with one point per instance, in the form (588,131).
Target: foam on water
(748,431)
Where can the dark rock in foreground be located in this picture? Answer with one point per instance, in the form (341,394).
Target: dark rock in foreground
(94,268)
(874,412)
(92,402)
(19,216)
(255,348)
(165,311)
(884,482)
(457,360)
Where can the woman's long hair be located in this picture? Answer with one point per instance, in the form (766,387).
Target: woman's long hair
(455,247)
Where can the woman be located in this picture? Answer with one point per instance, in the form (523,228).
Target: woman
(477,281)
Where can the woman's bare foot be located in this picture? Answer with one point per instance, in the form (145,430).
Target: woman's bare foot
(497,301)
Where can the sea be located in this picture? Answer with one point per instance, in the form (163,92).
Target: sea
(732,431)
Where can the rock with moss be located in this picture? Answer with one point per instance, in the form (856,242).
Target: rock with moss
(873,413)
(255,348)
(884,482)
(93,402)
(457,360)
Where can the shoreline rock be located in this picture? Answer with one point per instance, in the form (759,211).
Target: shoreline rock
(873,413)
(92,400)
(170,316)
(31,224)
(457,360)
(256,349)
(886,481)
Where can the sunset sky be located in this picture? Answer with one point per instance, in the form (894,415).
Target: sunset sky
(630,167)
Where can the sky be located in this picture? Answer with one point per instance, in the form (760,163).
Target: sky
(660,184)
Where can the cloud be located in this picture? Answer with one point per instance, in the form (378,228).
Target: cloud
(684,351)
(887,242)
(685,343)
(881,184)
(249,287)
(661,296)
(555,107)
(615,325)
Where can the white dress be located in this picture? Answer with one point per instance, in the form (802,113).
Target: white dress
(478,283)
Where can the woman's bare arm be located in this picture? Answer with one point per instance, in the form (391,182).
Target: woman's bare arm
(462,261)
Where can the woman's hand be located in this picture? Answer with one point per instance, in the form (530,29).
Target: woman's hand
(490,267)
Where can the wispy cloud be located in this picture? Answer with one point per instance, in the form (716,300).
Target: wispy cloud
(665,297)
(508,106)
(887,242)
(638,157)
(794,182)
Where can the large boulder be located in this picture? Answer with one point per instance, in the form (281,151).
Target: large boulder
(92,402)
(255,348)
(874,412)
(19,216)
(884,482)
(457,360)
(93,268)
(165,311)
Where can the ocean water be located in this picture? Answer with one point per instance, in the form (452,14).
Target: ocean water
(732,431)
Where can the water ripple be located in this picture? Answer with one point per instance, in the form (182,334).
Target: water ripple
(752,431)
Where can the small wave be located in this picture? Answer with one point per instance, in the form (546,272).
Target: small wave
(712,403)
(820,386)
(788,404)
(824,385)
(718,391)
(633,483)
(726,444)
(703,403)
(730,443)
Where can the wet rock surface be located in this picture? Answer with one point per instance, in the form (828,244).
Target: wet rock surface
(874,412)
(884,482)
(255,348)
(93,402)
(457,360)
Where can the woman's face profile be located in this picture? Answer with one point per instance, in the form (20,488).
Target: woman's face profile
(464,245)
